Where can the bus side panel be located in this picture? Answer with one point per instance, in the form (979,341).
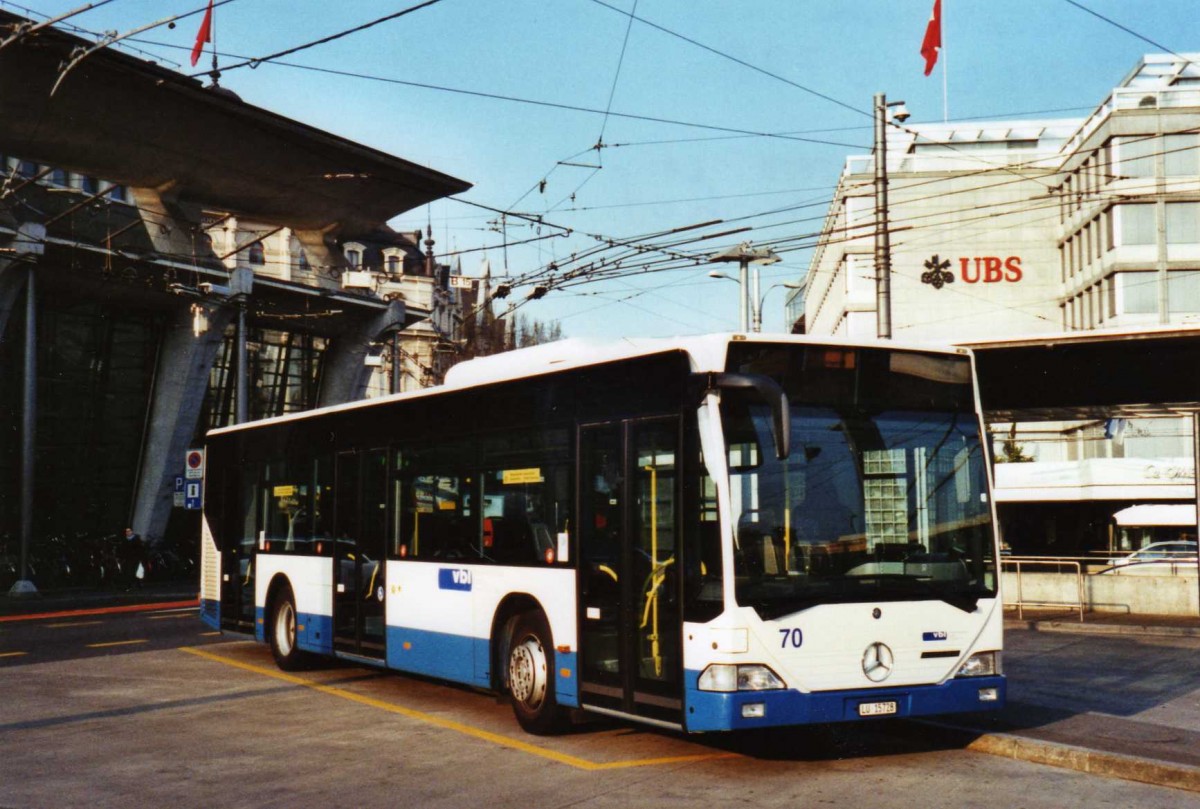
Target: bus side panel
(439,618)
(210,577)
(554,589)
(310,578)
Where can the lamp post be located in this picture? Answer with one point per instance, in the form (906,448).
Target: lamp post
(883,245)
(756,303)
(744,255)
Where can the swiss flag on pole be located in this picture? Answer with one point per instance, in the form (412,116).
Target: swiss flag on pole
(929,46)
(205,35)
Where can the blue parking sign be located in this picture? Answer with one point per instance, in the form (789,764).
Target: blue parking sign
(192,495)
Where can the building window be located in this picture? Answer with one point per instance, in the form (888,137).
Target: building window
(303,262)
(89,185)
(393,265)
(1183,222)
(1183,291)
(354,258)
(255,254)
(1139,292)
(1181,155)
(1137,156)
(59,177)
(1136,224)
(26,168)
(117,193)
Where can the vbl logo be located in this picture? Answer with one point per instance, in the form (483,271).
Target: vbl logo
(450,578)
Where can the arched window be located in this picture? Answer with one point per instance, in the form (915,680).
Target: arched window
(255,255)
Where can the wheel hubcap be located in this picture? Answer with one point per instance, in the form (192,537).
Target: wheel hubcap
(285,629)
(527,672)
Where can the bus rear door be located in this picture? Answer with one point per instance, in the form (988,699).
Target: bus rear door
(360,534)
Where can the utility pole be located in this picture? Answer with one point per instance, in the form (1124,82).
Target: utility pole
(745,255)
(883,243)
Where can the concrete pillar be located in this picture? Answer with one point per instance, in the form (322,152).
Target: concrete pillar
(344,377)
(180,383)
(168,228)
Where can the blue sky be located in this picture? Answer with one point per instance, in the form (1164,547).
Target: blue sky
(1003,58)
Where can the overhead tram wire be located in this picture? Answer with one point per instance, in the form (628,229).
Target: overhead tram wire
(1127,30)
(732,58)
(255,62)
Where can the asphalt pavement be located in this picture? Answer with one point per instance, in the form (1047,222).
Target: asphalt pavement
(1113,695)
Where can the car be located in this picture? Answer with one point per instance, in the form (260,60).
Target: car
(1157,559)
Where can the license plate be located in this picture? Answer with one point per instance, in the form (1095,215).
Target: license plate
(876,708)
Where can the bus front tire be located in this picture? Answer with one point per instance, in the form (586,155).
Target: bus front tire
(531,676)
(283,632)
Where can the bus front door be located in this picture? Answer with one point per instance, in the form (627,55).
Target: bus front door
(360,524)
(630,630)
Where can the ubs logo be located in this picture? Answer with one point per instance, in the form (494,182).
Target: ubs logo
(973,270)
(938,272)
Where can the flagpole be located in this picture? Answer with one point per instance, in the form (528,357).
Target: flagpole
(216,74)
(945,97)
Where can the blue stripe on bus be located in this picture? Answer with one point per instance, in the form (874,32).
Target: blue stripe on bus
(210,613)
(708,710)
(463,659)
(314,633)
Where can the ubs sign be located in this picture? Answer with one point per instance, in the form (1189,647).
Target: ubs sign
(973,270)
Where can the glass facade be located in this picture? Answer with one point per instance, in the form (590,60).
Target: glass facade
(284,376)
(95,375)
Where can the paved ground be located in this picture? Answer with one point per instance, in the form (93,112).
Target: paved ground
(1115,695)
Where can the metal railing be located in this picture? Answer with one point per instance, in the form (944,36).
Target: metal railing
(1018,562)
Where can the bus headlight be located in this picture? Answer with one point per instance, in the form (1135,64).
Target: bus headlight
(728,677)
(983,664)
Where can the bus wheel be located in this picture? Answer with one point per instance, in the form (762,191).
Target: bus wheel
(531,676)
(283,632)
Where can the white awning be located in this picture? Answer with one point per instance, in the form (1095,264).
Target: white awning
(1157,514)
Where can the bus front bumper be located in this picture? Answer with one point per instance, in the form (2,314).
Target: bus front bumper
(716,711)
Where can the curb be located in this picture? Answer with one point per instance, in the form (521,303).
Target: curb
(147,606)
(1080,759)
(1077,628)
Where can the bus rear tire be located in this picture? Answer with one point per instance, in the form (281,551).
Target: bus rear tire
(531,676)
(284,647)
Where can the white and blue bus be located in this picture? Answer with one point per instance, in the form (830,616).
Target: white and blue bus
(706,534)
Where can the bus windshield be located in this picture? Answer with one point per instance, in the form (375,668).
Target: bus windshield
(876,501)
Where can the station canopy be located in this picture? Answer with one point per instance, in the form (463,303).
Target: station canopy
(1090,375)
(130,121)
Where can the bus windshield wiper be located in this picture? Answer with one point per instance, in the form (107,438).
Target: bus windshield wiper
(961,599)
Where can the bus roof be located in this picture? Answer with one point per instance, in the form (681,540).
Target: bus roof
(705,352)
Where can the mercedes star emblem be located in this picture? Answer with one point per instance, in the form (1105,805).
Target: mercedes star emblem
(878,662)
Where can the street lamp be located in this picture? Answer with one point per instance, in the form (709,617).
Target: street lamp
(744,255)
(883,245)
(756,303)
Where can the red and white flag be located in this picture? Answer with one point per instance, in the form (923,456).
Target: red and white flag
(205,35)
(933,38)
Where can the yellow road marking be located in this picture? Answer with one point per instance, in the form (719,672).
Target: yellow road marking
(450,724)
(115,643)
(189,614)
(12,654)
(74,623)
(209,634)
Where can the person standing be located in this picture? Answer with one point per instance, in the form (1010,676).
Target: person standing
(133,559)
